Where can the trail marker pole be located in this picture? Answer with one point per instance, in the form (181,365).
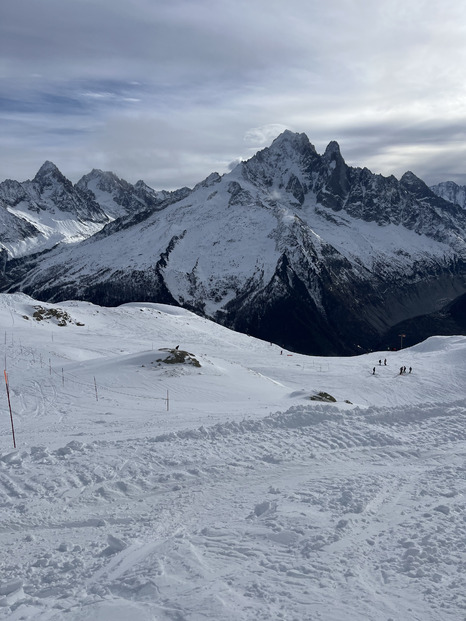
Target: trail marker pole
(9,405)
(95,386)
(168,402)
(62,377)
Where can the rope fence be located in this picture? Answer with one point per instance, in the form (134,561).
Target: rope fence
(66,377)
(98,387)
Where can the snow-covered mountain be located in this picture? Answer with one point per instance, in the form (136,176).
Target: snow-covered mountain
(255,485)
(117,197)
(291,246)
(38,214)
(451,191)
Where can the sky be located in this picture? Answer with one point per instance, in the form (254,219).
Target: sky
(169,91)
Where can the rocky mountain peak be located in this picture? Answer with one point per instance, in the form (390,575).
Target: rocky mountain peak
(291,146)
(105,180)
(294,139)
(332,152)
(209,181)
(290,155)
(409,177)
(11,192)
(332,148)
(142,185)
(333,161)
(409,181)
(48,171)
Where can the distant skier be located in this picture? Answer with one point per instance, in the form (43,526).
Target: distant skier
(373,371)
(410,369)
(401,370)
(385,362)
(380,362)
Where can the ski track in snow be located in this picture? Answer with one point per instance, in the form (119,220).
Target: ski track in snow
(245,500)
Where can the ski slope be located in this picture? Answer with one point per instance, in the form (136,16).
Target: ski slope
(175,492)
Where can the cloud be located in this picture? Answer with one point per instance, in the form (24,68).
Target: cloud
(234,164)
(264,135)
(170,90)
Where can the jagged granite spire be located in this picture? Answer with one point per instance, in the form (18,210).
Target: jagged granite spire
(48,174)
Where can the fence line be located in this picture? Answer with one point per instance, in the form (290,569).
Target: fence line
(92,385)
(65,375)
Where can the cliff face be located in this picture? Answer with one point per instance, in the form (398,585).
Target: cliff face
(452,192)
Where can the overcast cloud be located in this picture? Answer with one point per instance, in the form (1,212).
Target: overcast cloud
(169,91)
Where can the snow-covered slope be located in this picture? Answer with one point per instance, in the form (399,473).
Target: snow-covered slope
(291,246)
(145,490)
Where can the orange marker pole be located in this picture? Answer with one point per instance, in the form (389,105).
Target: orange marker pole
(9,405)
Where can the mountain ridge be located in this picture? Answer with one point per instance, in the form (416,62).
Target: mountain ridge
(291,246)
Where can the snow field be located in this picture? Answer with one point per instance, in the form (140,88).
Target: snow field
(243,500)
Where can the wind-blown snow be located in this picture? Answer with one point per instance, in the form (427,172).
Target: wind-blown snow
(243,499)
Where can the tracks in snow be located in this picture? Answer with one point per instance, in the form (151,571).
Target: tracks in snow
(311,501)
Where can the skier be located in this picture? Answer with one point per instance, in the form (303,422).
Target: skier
(401,370)
(385,362)
(373,371)
(410,369)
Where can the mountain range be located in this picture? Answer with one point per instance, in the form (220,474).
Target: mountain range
(290,246)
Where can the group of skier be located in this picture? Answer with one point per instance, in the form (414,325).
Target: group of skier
(402,369)
(380,364)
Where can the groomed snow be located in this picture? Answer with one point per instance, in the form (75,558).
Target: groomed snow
(173,492)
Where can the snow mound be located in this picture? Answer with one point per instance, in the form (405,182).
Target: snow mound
(438,344)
